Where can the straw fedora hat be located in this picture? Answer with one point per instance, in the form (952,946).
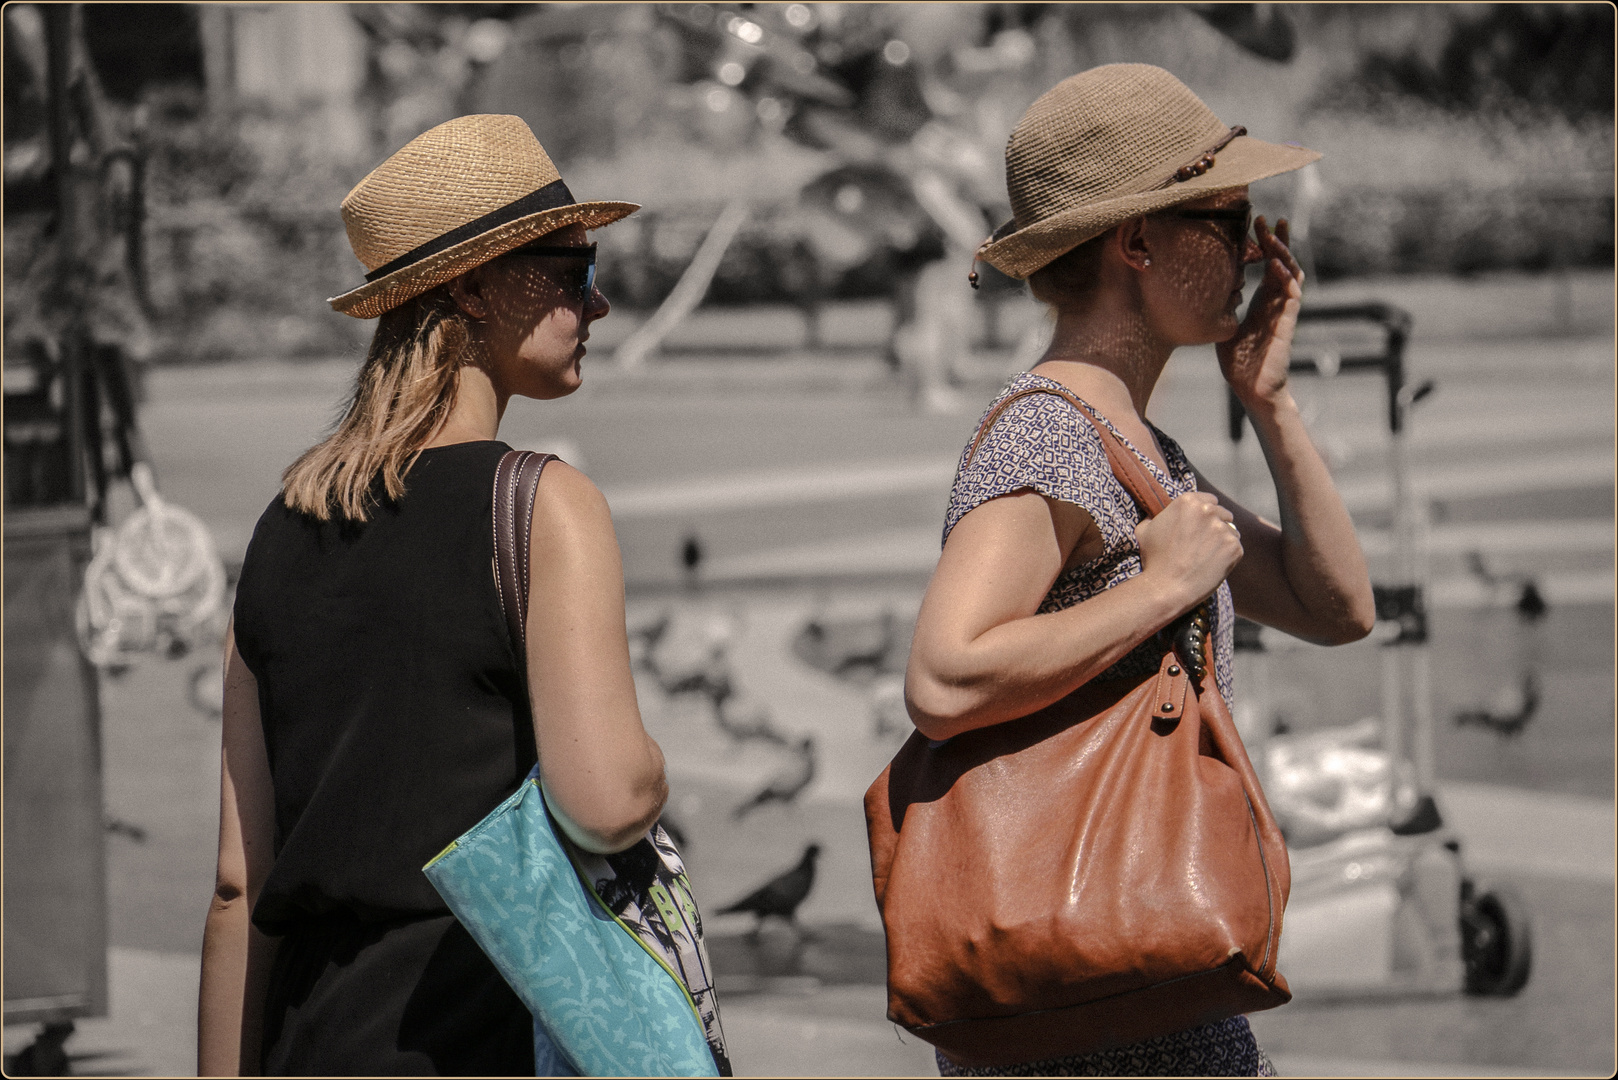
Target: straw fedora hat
(453,198)
(1113,143)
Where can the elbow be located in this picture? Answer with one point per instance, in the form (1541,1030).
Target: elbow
(1353,620)
(637,817)
(616,823)
(937,711)
(229,895)
(1358,628)
(1359,615)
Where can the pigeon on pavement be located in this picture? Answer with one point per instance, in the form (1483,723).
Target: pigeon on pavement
(788,782)
(781,895)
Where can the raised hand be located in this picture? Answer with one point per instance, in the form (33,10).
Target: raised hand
(1254,361)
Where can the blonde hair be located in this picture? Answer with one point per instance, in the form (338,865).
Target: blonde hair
(403,393)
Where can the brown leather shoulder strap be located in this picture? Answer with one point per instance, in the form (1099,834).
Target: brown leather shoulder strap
(1134,476)
(516,482)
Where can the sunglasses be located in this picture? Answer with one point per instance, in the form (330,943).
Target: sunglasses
(1236,222)
(579,277)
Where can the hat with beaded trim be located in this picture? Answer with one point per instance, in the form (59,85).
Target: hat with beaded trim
(1113,143)
(454,197)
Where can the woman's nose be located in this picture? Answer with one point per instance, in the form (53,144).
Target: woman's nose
(1251,252)
(597,305)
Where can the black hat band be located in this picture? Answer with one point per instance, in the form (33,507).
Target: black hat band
(551,196)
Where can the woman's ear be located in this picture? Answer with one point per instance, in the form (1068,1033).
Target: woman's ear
(1132,244)
(468,293)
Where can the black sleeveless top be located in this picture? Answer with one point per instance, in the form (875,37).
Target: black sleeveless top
(392,705)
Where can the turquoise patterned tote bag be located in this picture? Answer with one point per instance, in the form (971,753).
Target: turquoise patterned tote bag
(605,950)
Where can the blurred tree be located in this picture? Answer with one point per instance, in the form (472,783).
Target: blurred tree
(1262,29)
(136,45)
(1548,58)
(584,77)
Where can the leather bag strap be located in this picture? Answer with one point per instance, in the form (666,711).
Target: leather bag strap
(516,482)
(1126,466)
(1149,495)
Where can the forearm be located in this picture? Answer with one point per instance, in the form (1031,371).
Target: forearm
(1319,554)
(1023,665)
(236,960)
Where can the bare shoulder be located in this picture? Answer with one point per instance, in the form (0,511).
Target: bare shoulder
(564,489)
(568,504)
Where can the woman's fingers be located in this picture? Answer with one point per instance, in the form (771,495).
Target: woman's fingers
(1276,243)
(1283,236)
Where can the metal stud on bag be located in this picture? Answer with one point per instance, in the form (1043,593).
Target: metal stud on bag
(1189,634)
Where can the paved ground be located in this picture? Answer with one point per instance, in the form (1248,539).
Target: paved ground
(816,489)
(818,1009)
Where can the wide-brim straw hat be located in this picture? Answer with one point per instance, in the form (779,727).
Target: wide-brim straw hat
(453,198)
(1110,144)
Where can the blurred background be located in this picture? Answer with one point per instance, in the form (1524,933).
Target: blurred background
(774,409)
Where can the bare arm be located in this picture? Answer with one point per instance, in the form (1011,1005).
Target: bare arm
(603,774)
(981,655)
(1307,576)
(236,957)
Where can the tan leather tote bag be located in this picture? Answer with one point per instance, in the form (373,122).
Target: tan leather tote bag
(1093,874)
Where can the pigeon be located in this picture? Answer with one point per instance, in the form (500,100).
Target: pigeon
(888,713)
(1530,606)
(1510,712)
(788,783)
(711,680)
(781,895)
(871,654)
(643,642)
(119,827)
(743,724)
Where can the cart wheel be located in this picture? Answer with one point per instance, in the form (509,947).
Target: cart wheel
(1496,943)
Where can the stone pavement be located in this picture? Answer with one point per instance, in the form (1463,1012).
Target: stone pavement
(804,1028)
(819,1010)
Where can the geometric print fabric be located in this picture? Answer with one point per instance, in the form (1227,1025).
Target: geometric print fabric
(1039,443)
(1223,1049)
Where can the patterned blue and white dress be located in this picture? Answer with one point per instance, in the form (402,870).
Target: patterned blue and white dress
(1041,444)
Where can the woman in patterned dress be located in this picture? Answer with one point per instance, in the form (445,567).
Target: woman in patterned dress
(1135,233)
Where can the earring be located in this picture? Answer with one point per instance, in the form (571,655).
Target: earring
(1146,262)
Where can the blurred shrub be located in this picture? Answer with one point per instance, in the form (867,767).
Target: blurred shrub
(1479,137)
(1366,231)
(244,239)
(1544,59)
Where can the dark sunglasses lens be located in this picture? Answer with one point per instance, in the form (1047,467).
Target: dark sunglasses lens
(576,277)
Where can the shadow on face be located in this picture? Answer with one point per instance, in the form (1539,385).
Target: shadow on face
(533,316)
(1192,297)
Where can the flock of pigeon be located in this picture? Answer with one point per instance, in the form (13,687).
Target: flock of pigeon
(864,652)
(741,718)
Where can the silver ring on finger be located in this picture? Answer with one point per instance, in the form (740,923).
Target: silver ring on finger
(1234,529)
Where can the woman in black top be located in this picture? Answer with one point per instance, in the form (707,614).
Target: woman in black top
(374,707)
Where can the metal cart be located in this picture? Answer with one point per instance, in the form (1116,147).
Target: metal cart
(1390,909)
